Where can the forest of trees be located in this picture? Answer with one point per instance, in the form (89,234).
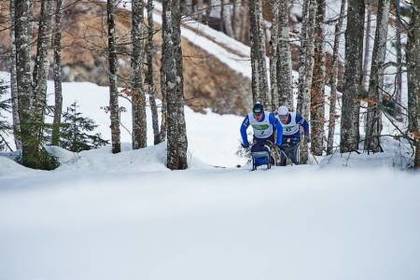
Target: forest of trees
(366,99)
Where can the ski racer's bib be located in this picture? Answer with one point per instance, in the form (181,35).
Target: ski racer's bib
(262,129)
(292,127)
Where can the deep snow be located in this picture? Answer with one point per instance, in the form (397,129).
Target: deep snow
(101,216)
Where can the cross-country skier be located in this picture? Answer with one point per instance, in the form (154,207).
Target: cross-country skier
(293,125)
(264,125)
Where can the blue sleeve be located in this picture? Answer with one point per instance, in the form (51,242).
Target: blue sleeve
(244,127)
(300,120)
(279,128)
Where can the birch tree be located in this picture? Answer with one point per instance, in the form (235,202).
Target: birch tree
(353,75)
(306,67)
(318,84)
(227,18)
(40,74)
(259,82)
(31,149)
(113,90)
(367,51)
(398,49)
(284,57)
(58,92)
(177,144)
(273,54)
(137,88)
(13,82)
(333,74)
(149,81)
(374,120)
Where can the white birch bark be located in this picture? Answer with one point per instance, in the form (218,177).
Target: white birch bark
(113,90)
(306,68)
(258,64)
(58,106)
(13,82)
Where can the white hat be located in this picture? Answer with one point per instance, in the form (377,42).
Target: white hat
(282,111)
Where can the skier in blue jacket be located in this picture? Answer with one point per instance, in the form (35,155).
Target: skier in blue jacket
(264,124)
(293,125)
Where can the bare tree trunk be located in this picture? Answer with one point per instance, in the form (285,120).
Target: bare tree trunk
(353,76)
(366,56)
(172,62)
(413,71)
(113,90)
(258,63)
(398,47)
(137,90)
(23,40)
(318,84)
(13,82)
(40,75)
(374,116)
(58,108)
(227,18)
(236,18)
(163,126)
(284,60)
(273,54)
(333,74)
(222,15)
(150,85)
(306,68)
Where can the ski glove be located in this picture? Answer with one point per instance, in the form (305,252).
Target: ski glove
(245,146)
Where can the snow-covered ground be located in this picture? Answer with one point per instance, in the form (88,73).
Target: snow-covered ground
(102,216)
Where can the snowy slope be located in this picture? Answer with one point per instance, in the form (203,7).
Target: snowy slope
(101,216)
(205,131)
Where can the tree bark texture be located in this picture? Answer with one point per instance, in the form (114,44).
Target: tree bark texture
(333,74)
(353,75)
(23,39)
(113,90)
(58,92)
(374,114)
(367,51)
(149,82)
(137,89)
(273,54)
(177,144)
(40,75)
(284,60)
(259,82)
(306,68)
(413,71)
(13,82)
(318,84)
(398,48)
